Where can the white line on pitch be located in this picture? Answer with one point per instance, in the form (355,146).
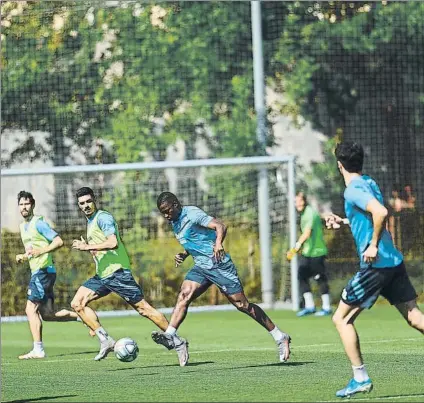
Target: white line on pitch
(376,398)
(295,348)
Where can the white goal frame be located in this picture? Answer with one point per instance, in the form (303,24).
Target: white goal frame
(263,214)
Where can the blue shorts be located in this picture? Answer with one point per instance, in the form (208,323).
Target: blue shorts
(41,285)
(223,275)
(120,282)
(366,285)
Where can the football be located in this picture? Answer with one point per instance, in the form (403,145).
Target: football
(126,349)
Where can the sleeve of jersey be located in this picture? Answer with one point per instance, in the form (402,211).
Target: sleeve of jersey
(44,229)
(107,224)
(308,219)
(359,196)
(198,216)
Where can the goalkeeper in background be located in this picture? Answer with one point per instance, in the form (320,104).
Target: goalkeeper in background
(312,259)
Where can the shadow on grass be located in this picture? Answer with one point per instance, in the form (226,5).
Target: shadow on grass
(194,364)
(37,399)
(80,353)
(280,364)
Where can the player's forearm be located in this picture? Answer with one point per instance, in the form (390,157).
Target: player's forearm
(378,226)
(304,237)
(106,245)
(55,244)
(221,232)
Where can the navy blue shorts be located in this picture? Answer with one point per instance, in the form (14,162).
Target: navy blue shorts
(41,285)
(223,275)
(120,282)
(366,285)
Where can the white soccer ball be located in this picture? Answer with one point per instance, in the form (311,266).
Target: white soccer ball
(126,349)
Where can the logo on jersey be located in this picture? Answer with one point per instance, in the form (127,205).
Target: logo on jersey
(344,293)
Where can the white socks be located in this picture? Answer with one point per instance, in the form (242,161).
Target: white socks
(360,373)
(326,302)
(173,332)
(309,300)
(102,334)
(38,346)
(276,333)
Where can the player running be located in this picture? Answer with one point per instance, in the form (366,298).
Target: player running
(382,270)
(39,240)
(202,236)
(113,274)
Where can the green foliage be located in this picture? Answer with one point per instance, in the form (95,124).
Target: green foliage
(351,67)
(323,179)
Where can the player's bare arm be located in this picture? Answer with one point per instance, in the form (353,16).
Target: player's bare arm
(305,236)
(379,214)
(110,243)
(55,244)
(221,232)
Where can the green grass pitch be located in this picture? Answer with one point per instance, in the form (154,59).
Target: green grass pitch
(232,359)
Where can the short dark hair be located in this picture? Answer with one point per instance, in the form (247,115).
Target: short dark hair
(350,155)
(85,191)
(26,195)
(167,197)
(303,196)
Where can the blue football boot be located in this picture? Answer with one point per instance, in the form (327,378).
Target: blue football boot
(323,312)
(305,312)
(354,387)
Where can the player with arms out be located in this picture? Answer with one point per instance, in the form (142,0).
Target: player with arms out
(202,237)
(382,270)
(113,274)
(312,260)
(39,240)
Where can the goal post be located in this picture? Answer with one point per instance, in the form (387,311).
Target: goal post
(228,188)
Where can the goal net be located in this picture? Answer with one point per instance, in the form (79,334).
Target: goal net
(226,189)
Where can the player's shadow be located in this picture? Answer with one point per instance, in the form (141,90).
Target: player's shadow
(79,353)
(280,364)
(192,364)
(37,399)
(407,395)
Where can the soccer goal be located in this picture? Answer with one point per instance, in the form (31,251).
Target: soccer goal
(254,196)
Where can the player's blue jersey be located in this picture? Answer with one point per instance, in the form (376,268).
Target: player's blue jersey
(357,195)
(191,231)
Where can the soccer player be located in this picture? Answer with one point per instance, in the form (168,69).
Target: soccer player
(382,270)
(312,260)
(39,240)
(202,236)
(113,274)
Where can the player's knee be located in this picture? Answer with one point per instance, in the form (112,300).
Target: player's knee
(337,319)
(144,309)
(185,296)
(77,305)
(242,305)
(31,309)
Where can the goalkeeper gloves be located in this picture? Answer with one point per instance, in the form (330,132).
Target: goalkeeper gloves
(292,252)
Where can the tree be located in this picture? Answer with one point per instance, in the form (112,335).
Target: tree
(353,68)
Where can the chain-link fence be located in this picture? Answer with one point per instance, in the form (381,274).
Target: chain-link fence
(90,82)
